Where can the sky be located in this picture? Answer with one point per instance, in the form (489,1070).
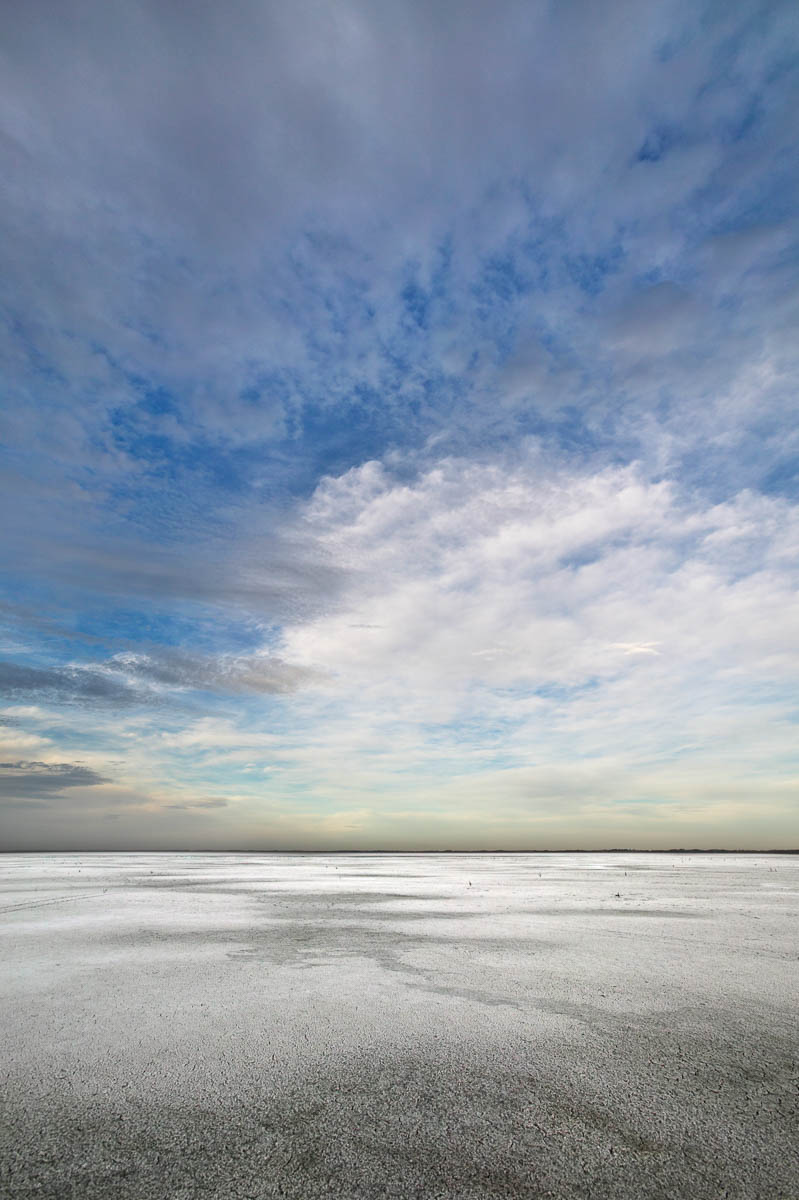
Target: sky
(399,424)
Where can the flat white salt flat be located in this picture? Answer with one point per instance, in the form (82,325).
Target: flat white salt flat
(409,1025)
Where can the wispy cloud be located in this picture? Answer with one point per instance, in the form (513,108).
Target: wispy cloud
(128,678)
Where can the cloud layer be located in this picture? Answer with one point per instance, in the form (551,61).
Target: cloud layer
(401,440)
(38,780)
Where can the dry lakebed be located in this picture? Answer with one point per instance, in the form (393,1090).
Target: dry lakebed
(410,1025)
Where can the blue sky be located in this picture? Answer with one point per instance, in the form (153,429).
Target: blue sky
(399,438)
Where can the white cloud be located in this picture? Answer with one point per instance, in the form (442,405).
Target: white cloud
(516,645)
(20,743)
(511,575)
(509,613)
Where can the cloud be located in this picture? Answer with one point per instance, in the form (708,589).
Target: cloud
(258,673)
(397,395)
(556,568)
(129,678)
(269,573)
(250,306)
(216,802)
(41,781)
(532,616)
(658,320)
(62,683)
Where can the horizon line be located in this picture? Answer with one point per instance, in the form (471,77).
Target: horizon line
(577,850)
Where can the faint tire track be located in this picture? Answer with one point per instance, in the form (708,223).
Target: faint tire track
(11,908)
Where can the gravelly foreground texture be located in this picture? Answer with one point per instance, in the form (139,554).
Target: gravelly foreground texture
(411,1026)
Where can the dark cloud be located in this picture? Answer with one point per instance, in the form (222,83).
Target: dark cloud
(195,121)
(63,684)
(216,802)
(252,673)
(128,678)
(37,781)
(246,570)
